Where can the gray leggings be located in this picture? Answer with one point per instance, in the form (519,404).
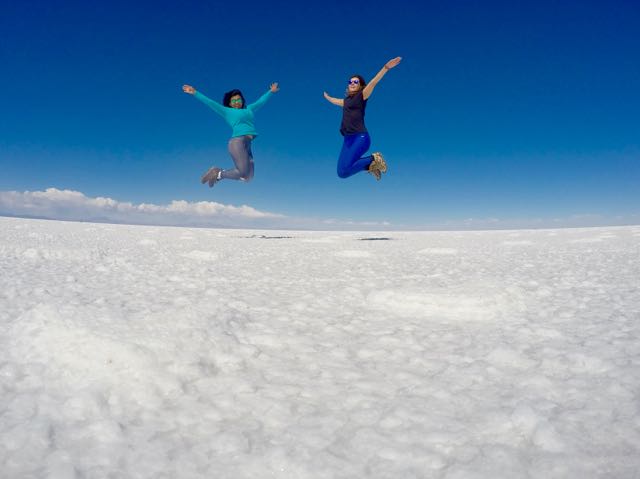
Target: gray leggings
(240,151)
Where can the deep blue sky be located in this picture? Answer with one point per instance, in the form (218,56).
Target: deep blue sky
(499,109)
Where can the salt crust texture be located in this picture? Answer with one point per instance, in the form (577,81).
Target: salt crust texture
(150,352)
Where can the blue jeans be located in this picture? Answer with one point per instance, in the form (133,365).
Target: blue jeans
(240,151)
(351,160)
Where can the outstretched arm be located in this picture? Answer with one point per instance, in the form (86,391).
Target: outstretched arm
(366,93)
(274,88)
(215,106)
(335,101)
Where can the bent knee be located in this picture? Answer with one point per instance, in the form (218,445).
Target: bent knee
(343,173)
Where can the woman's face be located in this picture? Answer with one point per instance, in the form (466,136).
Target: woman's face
(354,85)
(235,101)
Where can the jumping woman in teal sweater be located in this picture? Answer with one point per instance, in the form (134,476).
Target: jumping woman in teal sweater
(240,118)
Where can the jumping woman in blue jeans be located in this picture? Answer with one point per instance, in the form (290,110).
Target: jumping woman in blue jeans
(240,118)
(356,138)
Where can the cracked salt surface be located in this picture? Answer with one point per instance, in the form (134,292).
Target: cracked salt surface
(131,351)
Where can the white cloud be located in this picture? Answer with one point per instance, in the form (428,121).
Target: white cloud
(74,205)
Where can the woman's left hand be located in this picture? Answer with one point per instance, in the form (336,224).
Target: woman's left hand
(274,87)
(392,63)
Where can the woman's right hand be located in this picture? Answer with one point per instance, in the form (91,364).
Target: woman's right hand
(188,89)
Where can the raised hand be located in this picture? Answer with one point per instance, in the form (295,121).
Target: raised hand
(274,87)
(188,89)
(392,63)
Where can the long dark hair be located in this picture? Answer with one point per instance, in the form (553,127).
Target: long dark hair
(363,82)
(226,100)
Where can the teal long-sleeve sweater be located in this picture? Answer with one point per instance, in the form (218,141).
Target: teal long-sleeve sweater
(239,119)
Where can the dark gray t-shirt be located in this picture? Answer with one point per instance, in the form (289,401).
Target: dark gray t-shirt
(353,114)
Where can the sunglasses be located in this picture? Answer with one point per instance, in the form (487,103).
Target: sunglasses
(354,82)
(235,101)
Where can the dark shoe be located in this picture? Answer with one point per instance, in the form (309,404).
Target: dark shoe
(211,176)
